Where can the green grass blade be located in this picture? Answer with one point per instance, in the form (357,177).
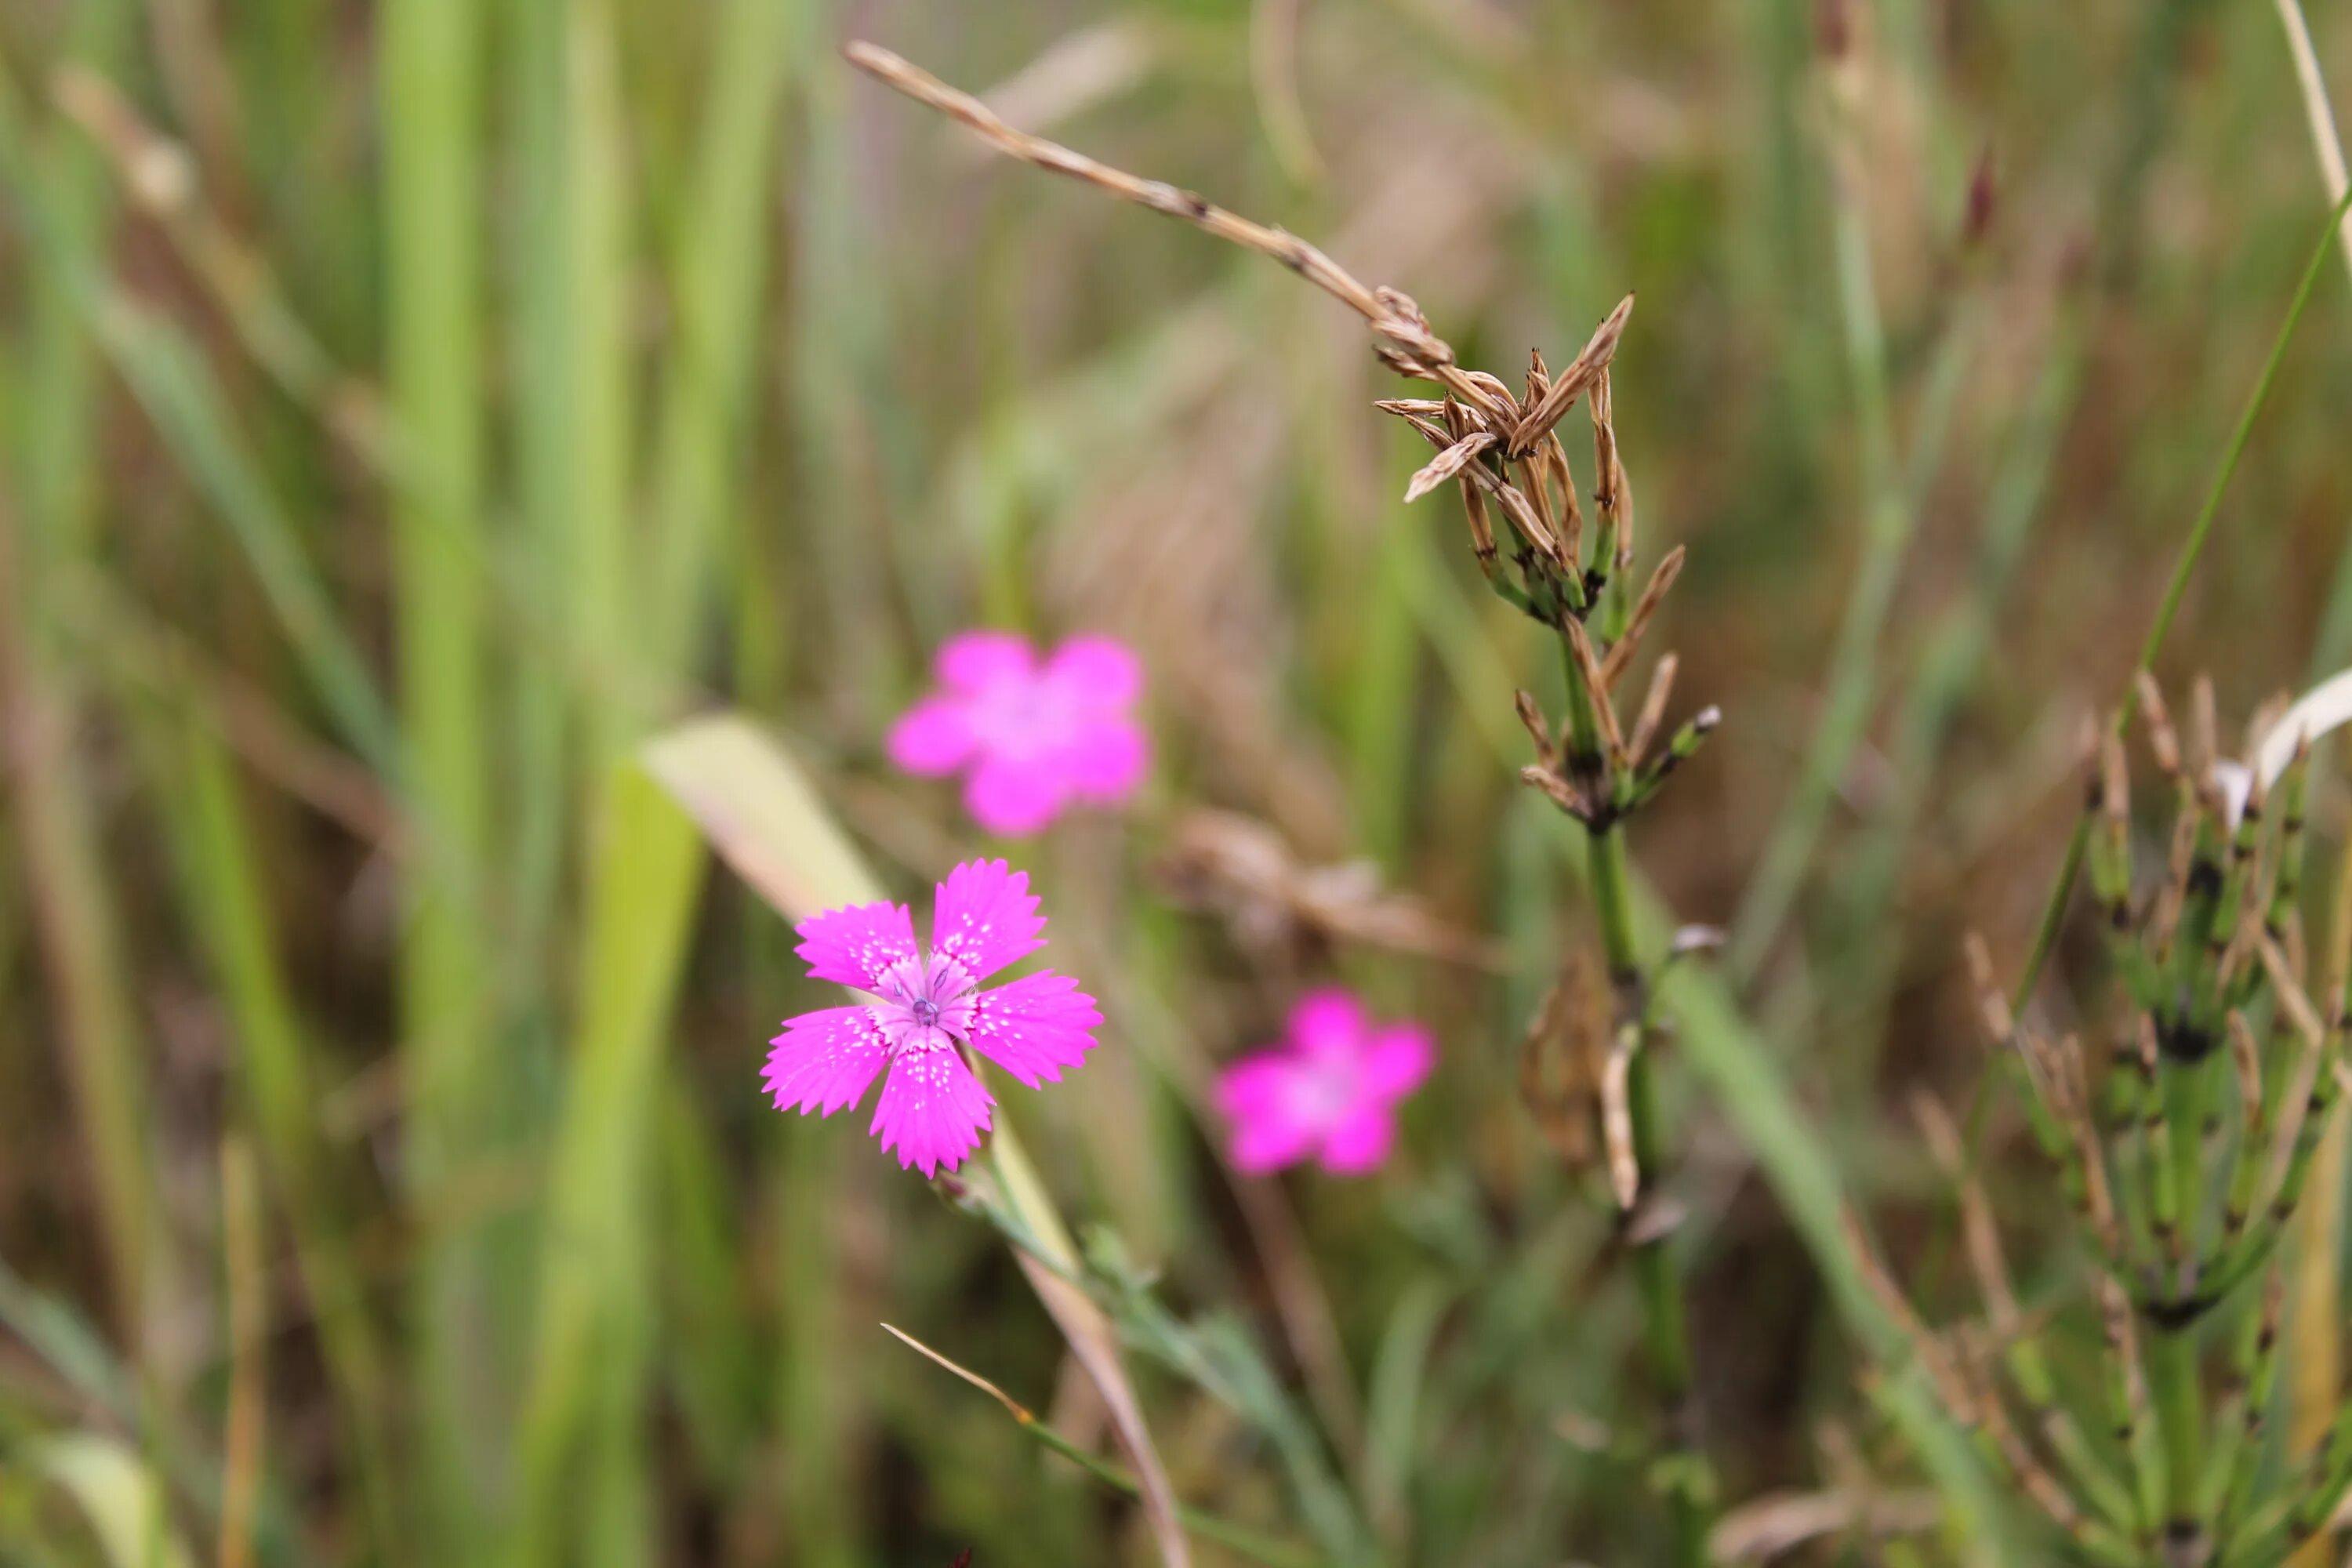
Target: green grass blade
(178,392)
(47,532)
(429,71)
(720,276)
(540,292)
(1890,522)
(592,1344)
(126,1505)
(600,563)
(227,910)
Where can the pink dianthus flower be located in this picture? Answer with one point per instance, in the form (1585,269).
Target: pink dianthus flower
(1029,737)
(1328,1090)
(928,1006)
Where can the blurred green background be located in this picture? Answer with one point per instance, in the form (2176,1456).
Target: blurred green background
(409,408)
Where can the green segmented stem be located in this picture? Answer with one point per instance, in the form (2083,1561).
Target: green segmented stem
(2110,861)
(2187,1091)
(2188,974)
(2053,910)
(2028,1370)
(2302,1513)
(2237,874)
(2238,1454)
(2253,1154)
(1682,1472)
(2178,1400)
(1649,780)
(2126,1398)
(2256,1244)
(2159,1169)
(2286,886)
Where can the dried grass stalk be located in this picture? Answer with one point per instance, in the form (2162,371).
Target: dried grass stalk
(1392,315)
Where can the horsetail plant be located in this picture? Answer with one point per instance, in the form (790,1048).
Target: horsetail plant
(1501,449)
(2183,1134)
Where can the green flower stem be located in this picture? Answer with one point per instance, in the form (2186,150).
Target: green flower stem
(1682,1471)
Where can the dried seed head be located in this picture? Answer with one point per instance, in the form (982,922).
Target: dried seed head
(1458,421)
(1610,494)
(1580,648)
(1653,707)
(1447,465)
(1564,794)
(2114,781)
(1590,362)
(1617,1122)
(1661,581)
(2204,747)
(1992,1004)
(1401,363)
(1493,387)
(2161,740)
(1559,475)
(1539,730)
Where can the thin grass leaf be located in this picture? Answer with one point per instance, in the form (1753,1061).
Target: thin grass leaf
(429,67)
(718,283)
(1247,1542)
(1393,1420)
(593,1337)
(224,888)
(604,557)
(47,532)
(126,1507)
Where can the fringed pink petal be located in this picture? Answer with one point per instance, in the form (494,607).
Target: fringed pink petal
(1397,1059)
(1014,797)
(932,1110)
(1106,761)
(1327,1022)
(973,662)
(1250,1085)
(984,917)
(933,737)
(855,945)
(1260,1096)
(1034,1026)
(1101,672)
(824,1060)
(1361,1140)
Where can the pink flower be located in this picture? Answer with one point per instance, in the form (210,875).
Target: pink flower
(1330,1089)
(929,1006)
(1030,737)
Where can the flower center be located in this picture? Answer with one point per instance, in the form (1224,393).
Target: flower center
(1327,1092)
(926,1012)
(1028,718)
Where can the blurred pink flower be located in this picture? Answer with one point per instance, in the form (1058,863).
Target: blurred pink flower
(1330,1089)
(932,1110)
(1030,738)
